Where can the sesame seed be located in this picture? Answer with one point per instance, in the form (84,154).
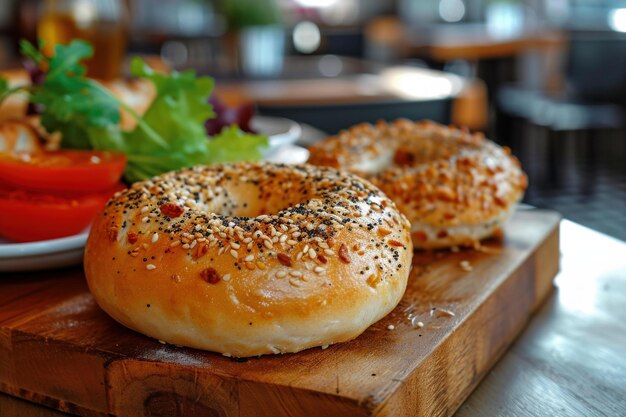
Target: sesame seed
(391,327)
(145,219)
(319,269)
(249,258)
(312,254)
(415,323)
(144,209)
(150,267)
(155,237)
(235,245)
(281,274)
(329,252)
(268,244)
(291,242)
(295,273)
(234,253)
(226,277)
(294,282)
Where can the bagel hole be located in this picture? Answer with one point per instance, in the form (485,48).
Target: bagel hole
(245,199)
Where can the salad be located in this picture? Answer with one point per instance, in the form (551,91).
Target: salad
(46,194)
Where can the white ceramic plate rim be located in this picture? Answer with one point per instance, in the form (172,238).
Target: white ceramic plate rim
(13,250)
(290,131)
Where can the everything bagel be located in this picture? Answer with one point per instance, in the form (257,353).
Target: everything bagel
(454,187)
(250,258)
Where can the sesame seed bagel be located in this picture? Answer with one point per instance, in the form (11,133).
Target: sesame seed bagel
(250,258)
(454,187)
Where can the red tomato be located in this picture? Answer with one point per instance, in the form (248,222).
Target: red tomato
(28,216)
(63,171)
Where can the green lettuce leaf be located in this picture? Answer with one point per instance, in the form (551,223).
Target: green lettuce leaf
(233,144)
(74,105)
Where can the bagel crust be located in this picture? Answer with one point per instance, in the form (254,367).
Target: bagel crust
(250,258)
(455,187)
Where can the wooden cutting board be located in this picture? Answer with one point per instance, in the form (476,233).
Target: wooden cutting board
(59,349)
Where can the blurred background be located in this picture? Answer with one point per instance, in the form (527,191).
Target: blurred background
(545,77)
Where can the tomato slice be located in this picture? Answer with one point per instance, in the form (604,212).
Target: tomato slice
(27,216)
(62,171)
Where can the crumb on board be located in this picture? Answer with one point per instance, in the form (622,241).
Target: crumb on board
(465,265)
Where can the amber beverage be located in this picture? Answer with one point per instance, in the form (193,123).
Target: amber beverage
(101,23)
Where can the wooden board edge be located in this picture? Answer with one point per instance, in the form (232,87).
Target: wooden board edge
(423,388)
(50,402)
(70,399)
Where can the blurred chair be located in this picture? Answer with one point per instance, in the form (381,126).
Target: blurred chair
(589,108)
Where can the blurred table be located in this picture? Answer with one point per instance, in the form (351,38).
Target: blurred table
(570,361)
(476,41)
(450,41)
(489,52)
(333,102)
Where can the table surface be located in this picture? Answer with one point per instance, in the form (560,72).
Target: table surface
(570,361)
(391,84)
(472,41)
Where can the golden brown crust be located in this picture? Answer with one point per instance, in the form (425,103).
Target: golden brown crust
(454,187)
(299,256)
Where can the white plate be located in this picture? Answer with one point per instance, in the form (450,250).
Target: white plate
(279,131)
(47,254)
(286,154)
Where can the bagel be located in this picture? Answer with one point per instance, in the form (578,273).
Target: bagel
(455,187)
(250,258)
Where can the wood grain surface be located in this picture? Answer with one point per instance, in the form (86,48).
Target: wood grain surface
(59,349)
